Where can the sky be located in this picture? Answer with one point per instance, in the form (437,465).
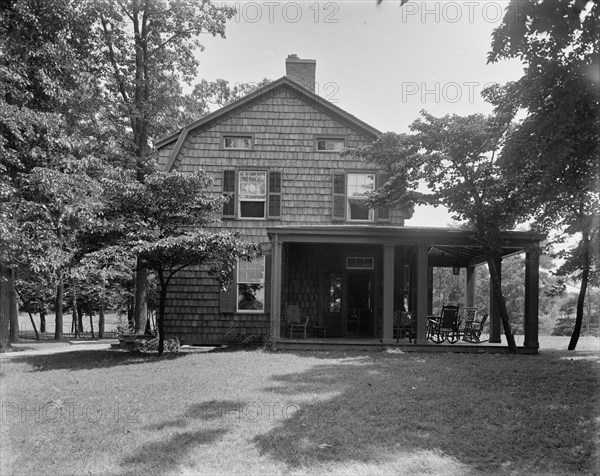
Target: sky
(383,64)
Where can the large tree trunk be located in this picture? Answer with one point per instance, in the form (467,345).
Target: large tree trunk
(4,308)
(92,325)
(140,304)
(585,245)
(14,309)
(43,322)
(497,290)
(80,318)
(58,309)
(101,321)
(164,284)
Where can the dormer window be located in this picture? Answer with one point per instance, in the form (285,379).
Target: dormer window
(237,142)
(329,145)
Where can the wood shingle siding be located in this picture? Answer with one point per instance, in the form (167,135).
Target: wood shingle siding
(284,124)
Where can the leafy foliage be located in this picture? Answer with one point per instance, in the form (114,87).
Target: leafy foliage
(456,157)
(553,155)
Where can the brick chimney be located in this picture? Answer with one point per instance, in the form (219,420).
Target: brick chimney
(301,71)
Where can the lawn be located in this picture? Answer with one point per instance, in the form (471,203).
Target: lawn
(255,412)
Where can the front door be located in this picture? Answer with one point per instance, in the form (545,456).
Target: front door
(359,304)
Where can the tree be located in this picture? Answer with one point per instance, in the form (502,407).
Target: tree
(148,47)
(165,221)
(46,72)
(456,157)
(552,157)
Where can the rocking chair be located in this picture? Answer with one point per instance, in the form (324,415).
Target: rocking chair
(446,327)
(472,329)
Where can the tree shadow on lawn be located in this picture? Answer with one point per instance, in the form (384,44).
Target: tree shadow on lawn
(212,410)
(163,457)
(88,359)
(493,413)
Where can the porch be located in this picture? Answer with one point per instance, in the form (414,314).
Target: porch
(335,344)
(349,282)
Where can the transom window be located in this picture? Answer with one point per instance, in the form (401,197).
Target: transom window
(251,285)
(358,186)
(237,142)
(360,262)
(252,193)
(330,145)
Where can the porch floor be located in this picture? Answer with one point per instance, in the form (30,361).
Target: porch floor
(374,343)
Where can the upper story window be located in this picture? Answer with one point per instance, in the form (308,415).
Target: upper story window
(238,142)
(349,197)
(358,186)
(330,145)
(252,194)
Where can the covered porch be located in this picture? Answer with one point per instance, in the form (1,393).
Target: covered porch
(347,282)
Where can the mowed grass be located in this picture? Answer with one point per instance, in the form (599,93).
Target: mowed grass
(255,412)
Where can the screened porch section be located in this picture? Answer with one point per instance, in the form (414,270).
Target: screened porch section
(359,283)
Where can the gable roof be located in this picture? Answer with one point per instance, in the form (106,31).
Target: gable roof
(284,82)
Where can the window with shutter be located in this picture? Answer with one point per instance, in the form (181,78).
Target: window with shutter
(274,194)
(229,191)
(358,186)
(251,285)
(339,197)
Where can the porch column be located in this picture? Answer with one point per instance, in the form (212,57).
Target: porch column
(495,318)
(429,289)
(388,293)
(470,287)
(276,290)
(532,275)
(422,293)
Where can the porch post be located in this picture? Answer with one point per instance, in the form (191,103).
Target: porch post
(470,287)
(388,293)
(422,293)
(429,289)
(495,319)
(276,290)
(532,275)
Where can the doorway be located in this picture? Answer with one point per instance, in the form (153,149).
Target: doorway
(359,304)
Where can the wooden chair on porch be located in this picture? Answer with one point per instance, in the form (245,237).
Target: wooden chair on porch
(472,329)
(296,323)
(467,317)
(445,327)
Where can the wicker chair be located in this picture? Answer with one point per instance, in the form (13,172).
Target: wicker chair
(296,323)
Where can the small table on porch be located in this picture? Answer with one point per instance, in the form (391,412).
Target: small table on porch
(319,331)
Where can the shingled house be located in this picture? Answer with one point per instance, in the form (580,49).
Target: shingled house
(276,154)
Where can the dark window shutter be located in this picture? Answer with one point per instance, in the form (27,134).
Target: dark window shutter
(267,284)
(383,214)
(339,197)
(228,299)
(274,195)
(229,191)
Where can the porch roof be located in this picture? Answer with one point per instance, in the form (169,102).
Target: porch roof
(447,246)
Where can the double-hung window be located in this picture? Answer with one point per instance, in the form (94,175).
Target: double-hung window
(251,285)
(357,187)
(252,194)
(350,193)
(252,187)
